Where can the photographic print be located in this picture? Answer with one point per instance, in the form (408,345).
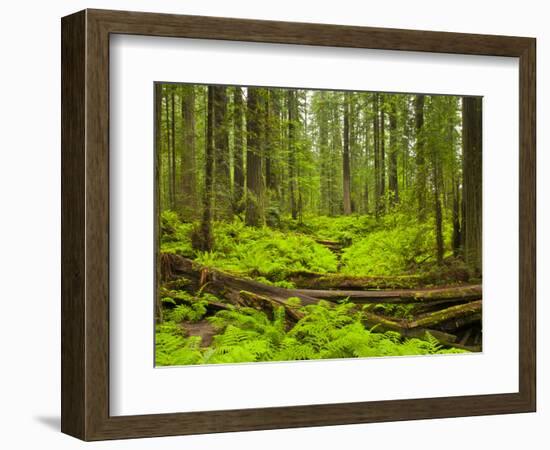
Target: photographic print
(302,224)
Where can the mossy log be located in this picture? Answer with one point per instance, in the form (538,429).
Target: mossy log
(453,313)
(261,302)
(307,280)
(383,324)
(229,286)
(438,323)
(447,294)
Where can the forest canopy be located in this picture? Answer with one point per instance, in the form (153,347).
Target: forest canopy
(305,203)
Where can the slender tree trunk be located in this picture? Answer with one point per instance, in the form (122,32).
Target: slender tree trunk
(238,159)
(169,151)
(383,154)
(173,200)
(267,141)
(420,157)
(205,240)
(158,159)
(291,99)
(254,183)
(222,164)
(323,154)
(346,159)
(188,164)
(367,153)
(393,180)
(456,218)
(437,206)
(472,187)
(376,124)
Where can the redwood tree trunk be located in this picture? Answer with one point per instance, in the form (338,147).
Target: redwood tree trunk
(222,179)
(205,241)
(188,164)
(472,187)
(291,98)
(254,184)
(393,184)
(346,159)
(238,162)
(420,157)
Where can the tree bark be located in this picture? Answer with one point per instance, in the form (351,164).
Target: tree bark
(472,186)
(188,164)
(323,154)
(377,177)
(291,100)
(393,183)
(158,159)
(420,157)
(254,183)
(204,240)
(346,177)
(383,154)
(173,200)
(222,179)
(448,294)
(238,159)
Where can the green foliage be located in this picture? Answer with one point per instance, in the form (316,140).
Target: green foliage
(325,332)
(186,306)
(173,349)
(263,252)
(344,229)
(400,247)
(175,236)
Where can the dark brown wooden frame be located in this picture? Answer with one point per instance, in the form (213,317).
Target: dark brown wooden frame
(85,224)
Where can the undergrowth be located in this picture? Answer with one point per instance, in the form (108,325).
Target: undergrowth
(249,335)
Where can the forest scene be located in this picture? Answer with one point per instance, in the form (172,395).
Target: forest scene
(301,224)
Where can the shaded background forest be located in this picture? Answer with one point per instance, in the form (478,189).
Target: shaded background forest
(271,154)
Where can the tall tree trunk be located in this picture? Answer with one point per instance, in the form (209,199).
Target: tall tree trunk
(168,183)
(222,164)
(376,129)
(436,170)
(420,157)
(456,218)
(291,99)
(393,181)
(254,184)
(346,158)
(382,154)
(158,159)
(173,200)
(238,147)
(323,154)
(204,240)
(188,164)
(472,187)
(268,140)
(367,156)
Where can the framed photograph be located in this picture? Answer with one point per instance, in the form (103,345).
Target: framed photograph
(273,225)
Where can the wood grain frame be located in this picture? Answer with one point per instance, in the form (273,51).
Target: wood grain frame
(85,224)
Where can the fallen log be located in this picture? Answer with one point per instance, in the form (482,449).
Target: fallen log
(211,304)
(308,280)
(446,315)
(383,324)
(220,283)
(460,322)
(237,289)
(447,294)
(254,300)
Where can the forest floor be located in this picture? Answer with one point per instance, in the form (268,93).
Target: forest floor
(320,288)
